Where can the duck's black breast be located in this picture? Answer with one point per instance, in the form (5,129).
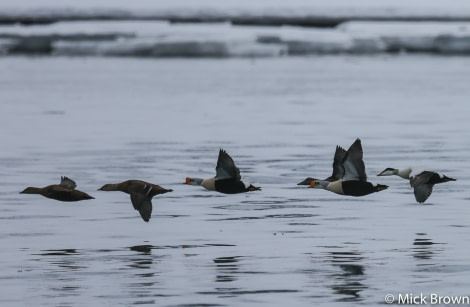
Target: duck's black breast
(357,188)
(230,186)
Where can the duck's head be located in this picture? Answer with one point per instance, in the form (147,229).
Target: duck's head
(318,184)
(307,181)
(389,172)
(29,190)
(108,187)
(193,181)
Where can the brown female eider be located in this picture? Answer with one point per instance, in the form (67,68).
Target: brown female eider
(141,193)
(64,191)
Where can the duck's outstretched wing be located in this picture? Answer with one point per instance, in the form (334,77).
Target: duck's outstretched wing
(67,183)
(421,178)
(419,183)
(143,204)
(338,170)
(226,168)
(422,192)
(352,164)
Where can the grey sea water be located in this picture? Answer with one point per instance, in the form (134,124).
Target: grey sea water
(101,120)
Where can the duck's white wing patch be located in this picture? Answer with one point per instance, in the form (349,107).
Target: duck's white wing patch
(354,168)
(226,168)
(422,192)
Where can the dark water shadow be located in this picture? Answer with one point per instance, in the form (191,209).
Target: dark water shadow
(137,269)
(343,273)
(144,270)
(59,252)
(227,268)
(61,269)
(270,216)
(148,248)
(424,250)
(228,292)
(349,281)
(66,259)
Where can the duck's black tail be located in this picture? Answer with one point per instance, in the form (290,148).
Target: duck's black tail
(253,188)
(445,179)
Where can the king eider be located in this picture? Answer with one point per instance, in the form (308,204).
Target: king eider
(227,178)
(421,181)
(64,191)
(349,175)
(141,193)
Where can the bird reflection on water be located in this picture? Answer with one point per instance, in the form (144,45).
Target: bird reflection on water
(349,282)
(424,250)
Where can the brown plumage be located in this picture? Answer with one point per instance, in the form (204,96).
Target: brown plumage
(64,191)
(141,193)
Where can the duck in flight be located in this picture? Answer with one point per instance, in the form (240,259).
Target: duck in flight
(141,193)
(64,191)
(227,178)
(421,181)
(349,174)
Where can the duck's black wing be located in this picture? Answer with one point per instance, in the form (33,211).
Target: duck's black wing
(143,204)
(338,170)
(422,192)
(421,178)
(67,183)
(226,168)
(421,186)
(352,164)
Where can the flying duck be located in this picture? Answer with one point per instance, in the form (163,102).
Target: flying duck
(141,194)
(227,178)
(64,191)
(349,175)
(421,181)
(337,168)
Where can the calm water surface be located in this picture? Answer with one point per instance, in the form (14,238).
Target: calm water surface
(101,120)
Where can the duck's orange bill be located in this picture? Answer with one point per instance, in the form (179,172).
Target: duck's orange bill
(312,184)
(187,180)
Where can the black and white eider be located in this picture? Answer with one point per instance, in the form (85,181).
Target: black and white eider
(422,181)
(349,175)
(227,179)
